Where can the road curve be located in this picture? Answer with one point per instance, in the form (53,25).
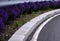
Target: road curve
(51,31)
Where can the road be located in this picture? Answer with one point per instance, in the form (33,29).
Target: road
(51,31)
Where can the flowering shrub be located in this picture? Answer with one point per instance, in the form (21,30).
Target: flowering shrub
(3,15)
(27,6)
(14,10)
(22,7)
(1,25)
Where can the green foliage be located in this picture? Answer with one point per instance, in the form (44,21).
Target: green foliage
(17,24)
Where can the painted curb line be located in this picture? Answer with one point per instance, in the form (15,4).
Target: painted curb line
(35,36)
(23,32)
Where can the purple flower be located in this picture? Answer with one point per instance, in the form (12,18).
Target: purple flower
(1,25)
(53,4)
(22,7)
(4,15)
(14,11)
(33,6)
(27,6)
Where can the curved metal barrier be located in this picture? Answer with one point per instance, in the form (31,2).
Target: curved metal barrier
(23,32)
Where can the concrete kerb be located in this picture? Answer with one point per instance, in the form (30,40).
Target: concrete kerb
(23,32)
(35,36)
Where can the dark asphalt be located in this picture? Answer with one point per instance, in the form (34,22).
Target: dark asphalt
(51,31)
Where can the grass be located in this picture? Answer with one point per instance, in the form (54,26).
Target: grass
(14,25)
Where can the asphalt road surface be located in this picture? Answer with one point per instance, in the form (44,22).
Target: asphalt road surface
(51,31)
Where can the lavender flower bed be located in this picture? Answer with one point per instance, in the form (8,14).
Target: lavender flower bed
(15,10)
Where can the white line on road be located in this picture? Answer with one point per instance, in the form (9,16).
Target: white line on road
(35,36)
